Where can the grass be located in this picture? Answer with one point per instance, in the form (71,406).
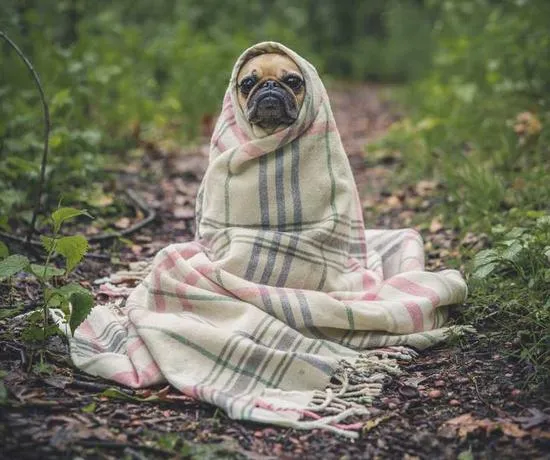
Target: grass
(500,190)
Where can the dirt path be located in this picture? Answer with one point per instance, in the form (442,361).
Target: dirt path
(462,399)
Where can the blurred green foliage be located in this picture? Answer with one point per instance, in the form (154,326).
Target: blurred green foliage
(479,122)
(111,70)
(479,118)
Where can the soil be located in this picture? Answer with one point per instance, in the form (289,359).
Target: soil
(467,399)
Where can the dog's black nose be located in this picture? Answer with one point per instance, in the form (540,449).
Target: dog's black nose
(270,84)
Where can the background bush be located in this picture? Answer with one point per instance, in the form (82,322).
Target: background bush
(114,70)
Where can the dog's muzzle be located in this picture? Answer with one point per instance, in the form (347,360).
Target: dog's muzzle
(271,105)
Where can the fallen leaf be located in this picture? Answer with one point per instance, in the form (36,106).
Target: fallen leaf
(409,391)
(373,423)
(511,429)
(414,381)
(122,223)
(393,202)
(536,418)
(426,187)
(57,381)
(435,225)
(538,433)
(102,201)
(466,423)
(136,249)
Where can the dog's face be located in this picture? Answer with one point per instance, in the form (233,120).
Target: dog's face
(270,91)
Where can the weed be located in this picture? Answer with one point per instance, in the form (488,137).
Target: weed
(75,301)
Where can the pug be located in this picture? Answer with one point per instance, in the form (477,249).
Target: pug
(270,91)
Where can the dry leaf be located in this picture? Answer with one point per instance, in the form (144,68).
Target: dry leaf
(465,424)
(435,225)
(102,201)
(536,418)
(122,223)
(373,423)
(393,202)
(511,429)
(426,187)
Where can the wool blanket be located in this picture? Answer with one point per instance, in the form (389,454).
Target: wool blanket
(283,309)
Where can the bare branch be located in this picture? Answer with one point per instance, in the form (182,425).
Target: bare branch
(46,110)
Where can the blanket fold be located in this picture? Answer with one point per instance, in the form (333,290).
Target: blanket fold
(273,311)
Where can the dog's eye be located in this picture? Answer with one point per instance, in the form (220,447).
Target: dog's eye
(294,82)
(247,84)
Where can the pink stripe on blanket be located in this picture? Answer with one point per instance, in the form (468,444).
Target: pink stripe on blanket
(184,302)
(409,287)
(134,345)
(137,379)
(321,128)
(416,315)
(247,293)
(167,264)
(190,249)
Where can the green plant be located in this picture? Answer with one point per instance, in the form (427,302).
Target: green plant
(520,252)
(478,122)
(510,289)
(75,301)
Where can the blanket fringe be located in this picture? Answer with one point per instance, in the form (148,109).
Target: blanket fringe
(137,271)
(352,388)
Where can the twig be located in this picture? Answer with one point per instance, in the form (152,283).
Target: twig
(154,421)
(499,411)
(48,404)
(21,351)
(97,387)
(124,445)
(46,110)
(150,215)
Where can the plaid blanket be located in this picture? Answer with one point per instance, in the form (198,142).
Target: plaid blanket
(284,309)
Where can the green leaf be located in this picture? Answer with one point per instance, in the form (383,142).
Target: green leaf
(4,225)
(46,271)
(484,271)
(63,214)
(48,243)
(4,251)
(82,303)
(10,312)
(60,99)
(69,289)
(37,333)
(72,248)
(115,393)
(466,455)
(12,264)
(484,257)
(89,408)
(55,298)
(511,253)
(516,232)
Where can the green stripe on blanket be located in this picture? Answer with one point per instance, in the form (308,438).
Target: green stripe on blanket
(273,311)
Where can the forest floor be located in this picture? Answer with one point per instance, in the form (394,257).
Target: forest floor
(464,400)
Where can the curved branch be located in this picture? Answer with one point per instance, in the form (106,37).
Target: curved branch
(150,215)
(46,110)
